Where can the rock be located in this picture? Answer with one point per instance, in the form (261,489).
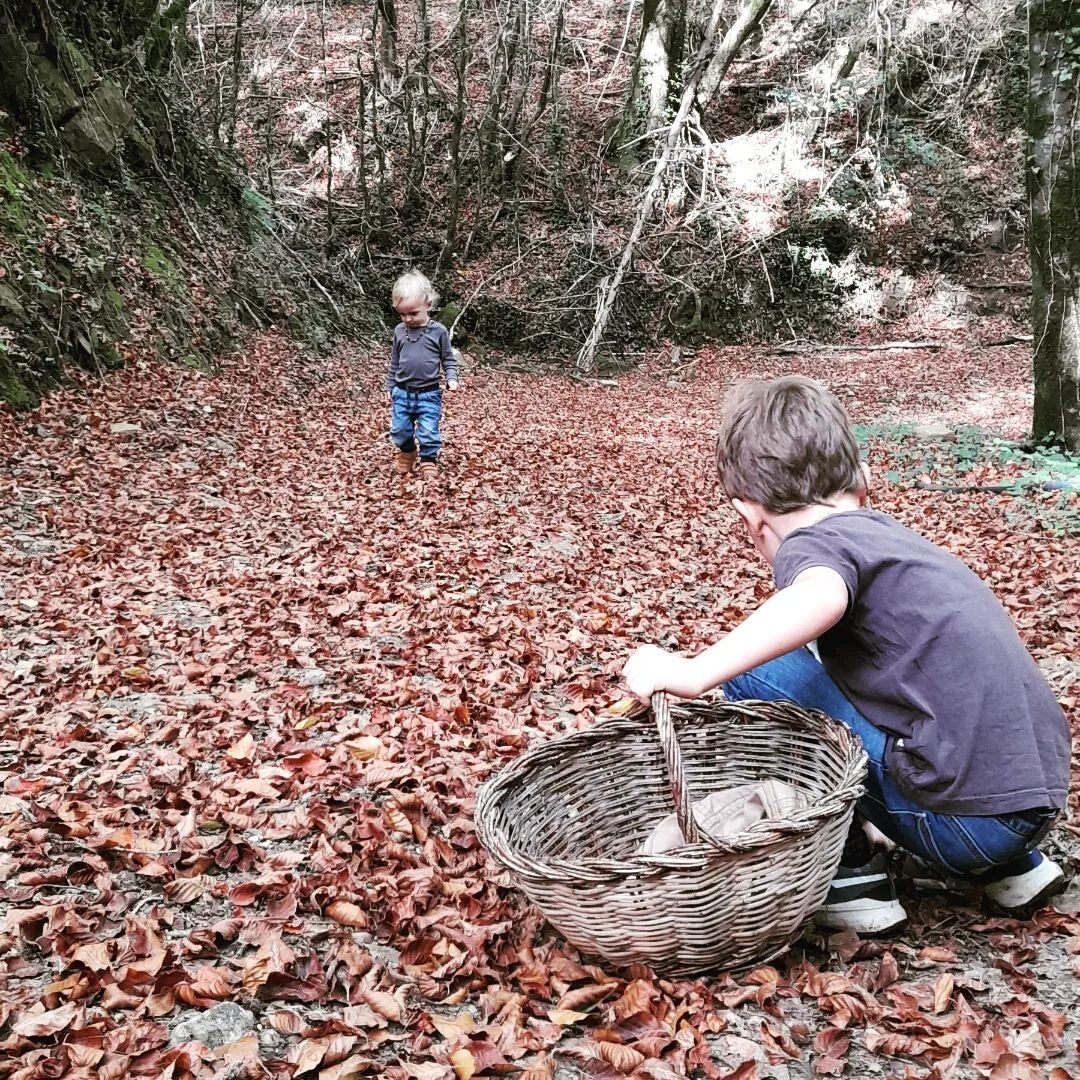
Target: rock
(11,307)
(124,428)
(95,132)
(54,91)
(222,446)
(312,676)
(385,955)
(271,1044)
(930,432)
(137,706)
(74,66)
(219,1026)
(1070,484)
(447,314)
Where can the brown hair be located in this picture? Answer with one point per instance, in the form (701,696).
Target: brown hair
(786,444)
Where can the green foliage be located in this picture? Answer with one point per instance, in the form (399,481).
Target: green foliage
(916,146)
(865,432)
(447,314)
(12,389)
(161,266)
(196,361)
(13,181)
(113,299)
(260,206)
(1045,481)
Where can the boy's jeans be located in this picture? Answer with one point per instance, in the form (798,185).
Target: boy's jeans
(966,846)
(414,419)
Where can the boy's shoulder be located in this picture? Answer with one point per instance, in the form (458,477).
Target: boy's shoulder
(438,327)
(868,540)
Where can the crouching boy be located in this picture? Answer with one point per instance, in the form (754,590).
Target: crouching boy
(876,626)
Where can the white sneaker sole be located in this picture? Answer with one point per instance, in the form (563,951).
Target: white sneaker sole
(1023,890)
(862,916)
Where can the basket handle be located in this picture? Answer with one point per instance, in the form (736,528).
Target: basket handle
(680,794)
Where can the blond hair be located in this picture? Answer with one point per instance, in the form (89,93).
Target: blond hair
(786,443)
(414,285)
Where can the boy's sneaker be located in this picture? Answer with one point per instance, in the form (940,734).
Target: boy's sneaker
(863,899)
(929,877)
(1026,890)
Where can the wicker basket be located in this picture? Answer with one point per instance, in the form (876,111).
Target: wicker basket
(567,818)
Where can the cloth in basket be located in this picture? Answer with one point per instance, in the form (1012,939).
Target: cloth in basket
(724,813)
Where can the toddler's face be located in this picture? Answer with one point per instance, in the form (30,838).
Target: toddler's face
(414,311)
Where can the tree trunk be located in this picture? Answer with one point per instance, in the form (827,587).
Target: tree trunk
(746,22)
(1053,182)
(609,287)
(493,132)
(388,44)
(656,81)
(237,58)
(707,62)
(457,123)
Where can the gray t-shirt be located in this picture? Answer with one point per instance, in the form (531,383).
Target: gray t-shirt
(927,653)
(419,357)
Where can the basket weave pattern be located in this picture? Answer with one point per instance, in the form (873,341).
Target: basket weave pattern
(567,818)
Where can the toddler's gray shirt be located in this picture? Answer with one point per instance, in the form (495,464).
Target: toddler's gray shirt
(419,357)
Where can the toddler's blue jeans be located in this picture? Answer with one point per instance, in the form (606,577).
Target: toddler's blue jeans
(967,846)
(414,421)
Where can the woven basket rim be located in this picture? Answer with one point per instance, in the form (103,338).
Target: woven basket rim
(775,832)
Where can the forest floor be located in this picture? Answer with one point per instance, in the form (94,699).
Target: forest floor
(249,684)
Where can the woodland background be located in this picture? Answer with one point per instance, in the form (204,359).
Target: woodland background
(844,171)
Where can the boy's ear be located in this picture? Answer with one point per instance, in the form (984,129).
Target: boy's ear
(751,513)
(866,475)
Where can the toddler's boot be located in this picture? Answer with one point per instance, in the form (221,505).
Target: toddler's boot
(427,470)
(406,461)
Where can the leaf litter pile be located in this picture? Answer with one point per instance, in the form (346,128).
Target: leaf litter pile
(250,684)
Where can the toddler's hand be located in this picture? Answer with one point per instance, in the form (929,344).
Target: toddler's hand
(452,385)
(389,398)
(649,669)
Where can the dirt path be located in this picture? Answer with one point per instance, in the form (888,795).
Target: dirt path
(248,685)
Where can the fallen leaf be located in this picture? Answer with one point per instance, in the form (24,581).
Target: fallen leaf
(346,913)
(243,749)
(943,991)
(564,1017)
(625,1059)
(35,1025)
(365,747)
(1011,1067)
(383,1003)
(463,1064)
(350,1068)
(95,957)
(585,998)
(451,1028)
(635,998)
